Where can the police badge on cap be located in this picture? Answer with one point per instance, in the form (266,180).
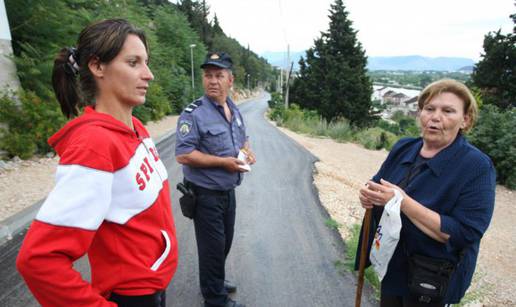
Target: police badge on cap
(219,59)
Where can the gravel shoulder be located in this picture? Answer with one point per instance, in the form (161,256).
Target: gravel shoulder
(344,167)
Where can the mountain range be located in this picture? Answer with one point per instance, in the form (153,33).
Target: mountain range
(410,62)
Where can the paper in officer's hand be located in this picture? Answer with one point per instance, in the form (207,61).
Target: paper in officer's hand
(243,157)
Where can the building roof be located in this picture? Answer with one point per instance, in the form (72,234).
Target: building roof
(412,100)
(389,93)
(399,95)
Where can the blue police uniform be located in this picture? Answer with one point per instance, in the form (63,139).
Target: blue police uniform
(459,184)
(203,126)
(206,129)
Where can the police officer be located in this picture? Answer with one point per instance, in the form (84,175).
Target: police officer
(210,135)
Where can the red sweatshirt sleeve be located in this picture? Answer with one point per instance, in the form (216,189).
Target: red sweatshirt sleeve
(63,232)
(45,262)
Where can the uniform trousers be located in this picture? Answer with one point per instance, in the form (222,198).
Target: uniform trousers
(214,223)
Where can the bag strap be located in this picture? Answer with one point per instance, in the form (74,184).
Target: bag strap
(415,169)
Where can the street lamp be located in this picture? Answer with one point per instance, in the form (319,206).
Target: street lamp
(192,46)
(248,75)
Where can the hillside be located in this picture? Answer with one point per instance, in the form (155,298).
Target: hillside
(418,63)
(412,62)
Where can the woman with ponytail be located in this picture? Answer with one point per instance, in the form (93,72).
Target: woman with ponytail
(112,197)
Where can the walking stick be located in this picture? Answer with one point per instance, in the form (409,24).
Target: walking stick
(363,255)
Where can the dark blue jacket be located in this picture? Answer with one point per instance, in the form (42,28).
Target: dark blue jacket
(459,184)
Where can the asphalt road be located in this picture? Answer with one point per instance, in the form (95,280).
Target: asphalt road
(282,254)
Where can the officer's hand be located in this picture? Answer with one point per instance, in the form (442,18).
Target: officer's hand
(249,156)
(231,164)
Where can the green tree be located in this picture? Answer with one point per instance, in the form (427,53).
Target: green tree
(495,73)
(494,135)
(246,63)
(333,78)
(425,80)
(172,64)
(216,25)
(40,28)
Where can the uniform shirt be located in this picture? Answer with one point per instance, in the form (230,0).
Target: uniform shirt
(204,127)
(459,184)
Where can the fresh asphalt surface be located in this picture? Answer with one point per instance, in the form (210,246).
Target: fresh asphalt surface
(283,254)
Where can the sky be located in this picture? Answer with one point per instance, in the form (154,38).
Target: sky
(385,28)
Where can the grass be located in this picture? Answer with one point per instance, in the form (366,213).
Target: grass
(351,247)
(348,264)
(332,224)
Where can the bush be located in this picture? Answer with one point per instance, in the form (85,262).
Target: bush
(390,126)
(340,130)
(310,122)
(30,121)
(494,135)
(404,124)
(20,145)
(275,101)
(376,138)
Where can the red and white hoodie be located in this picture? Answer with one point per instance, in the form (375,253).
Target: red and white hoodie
(112,201)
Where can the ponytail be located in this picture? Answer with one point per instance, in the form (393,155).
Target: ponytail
(64,81)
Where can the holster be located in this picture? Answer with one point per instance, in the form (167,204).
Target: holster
(187,201)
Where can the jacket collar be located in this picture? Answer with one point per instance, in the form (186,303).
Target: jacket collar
(230,102)
(441,159)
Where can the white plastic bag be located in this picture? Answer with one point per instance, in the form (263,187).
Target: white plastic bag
(387,235)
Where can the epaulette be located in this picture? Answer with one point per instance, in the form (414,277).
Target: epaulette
(194,105)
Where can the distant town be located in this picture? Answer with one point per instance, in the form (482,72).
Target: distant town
(398,91)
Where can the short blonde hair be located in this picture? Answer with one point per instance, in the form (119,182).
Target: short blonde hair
(457,88)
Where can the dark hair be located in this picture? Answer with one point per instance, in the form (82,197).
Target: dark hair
(101,40)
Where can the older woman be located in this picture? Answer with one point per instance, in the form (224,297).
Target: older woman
(448,189)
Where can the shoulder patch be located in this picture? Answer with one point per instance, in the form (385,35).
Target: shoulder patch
(185,127)
(194,105)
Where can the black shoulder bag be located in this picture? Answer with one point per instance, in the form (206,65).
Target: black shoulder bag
(429,278)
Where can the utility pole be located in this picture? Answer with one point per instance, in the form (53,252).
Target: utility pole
(289,72)
(192,46)
(288,77)
(278,83)
(281,81)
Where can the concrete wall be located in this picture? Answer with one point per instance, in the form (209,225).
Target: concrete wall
(8,77)
(4,25)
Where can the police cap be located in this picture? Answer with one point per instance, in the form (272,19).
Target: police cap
(219,59)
